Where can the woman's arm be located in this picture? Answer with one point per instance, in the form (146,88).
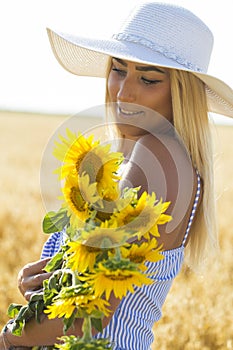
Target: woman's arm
(47,331)
(44,333)
(30,279)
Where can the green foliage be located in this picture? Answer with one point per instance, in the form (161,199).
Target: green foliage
(23,313)
(55,221)
(55,263)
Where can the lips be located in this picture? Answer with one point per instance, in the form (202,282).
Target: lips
(125,112)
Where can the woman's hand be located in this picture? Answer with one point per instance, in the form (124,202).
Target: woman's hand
(6,345)
(31,277)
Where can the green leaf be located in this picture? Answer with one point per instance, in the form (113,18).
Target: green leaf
(55,221)
(68,322)
(18,327)
(13,310)
(54,263)
(48,293)
(25,313)
(36,297)
(39,307)
(97,324)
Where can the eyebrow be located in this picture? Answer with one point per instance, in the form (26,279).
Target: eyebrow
(141,68)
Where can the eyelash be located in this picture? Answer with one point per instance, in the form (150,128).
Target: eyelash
(150,82)
(145,80)
(118,71)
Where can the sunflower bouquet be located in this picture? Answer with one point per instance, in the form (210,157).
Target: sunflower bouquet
(109,234)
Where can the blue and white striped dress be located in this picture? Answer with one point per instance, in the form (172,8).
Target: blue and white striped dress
(131,327)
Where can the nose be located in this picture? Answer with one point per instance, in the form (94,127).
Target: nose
(127,91)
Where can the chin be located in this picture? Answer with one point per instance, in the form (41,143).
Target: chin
(130,131)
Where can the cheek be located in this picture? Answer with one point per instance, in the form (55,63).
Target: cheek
(112,88)
(168,104)
(163,103)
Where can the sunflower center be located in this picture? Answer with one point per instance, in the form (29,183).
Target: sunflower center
(97,243)
(118,277)
(79,161)
(77,199)
(92,165)
(141,221)
(106,212)
(92,249)
(128,219)
(138,259)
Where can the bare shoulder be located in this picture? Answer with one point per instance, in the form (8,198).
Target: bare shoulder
(162,165)
(167,148)
(163,160)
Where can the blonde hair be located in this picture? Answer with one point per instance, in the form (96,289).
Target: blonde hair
(190,117)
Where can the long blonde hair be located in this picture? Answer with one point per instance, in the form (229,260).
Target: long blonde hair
(190,117)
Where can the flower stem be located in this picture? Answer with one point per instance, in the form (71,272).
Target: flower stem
(118,254)
(86,328)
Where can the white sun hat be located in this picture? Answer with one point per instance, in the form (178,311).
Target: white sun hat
(154,33)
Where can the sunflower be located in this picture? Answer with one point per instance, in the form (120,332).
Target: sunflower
(85,155)
(64,304)
(81,257)
(142,215)
(61,308)
(89,190)
(105,236)
(162,218)
(141,252)
(79,196)
(117,276)
(71,151)
(102,166)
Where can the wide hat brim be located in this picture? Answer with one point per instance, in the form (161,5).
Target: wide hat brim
(89,57)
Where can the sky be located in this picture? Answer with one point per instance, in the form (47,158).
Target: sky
(32,80)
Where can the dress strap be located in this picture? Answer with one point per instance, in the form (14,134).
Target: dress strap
(194,208)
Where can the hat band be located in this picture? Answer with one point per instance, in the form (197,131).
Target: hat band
(160,49)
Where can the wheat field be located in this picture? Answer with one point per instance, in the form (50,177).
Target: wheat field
(198,311)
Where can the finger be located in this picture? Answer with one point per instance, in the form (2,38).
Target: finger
(31,269)
(28,294)
(34,282)
(35,267)
(38,279)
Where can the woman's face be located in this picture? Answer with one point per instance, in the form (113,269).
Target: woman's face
(139,84)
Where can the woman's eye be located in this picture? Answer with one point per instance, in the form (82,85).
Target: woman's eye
(150,81)
(118,71)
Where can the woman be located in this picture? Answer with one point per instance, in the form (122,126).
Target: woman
(157,62)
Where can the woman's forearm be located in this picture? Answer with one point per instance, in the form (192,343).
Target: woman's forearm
(46,332)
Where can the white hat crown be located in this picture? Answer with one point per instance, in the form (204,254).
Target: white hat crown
(172,31)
